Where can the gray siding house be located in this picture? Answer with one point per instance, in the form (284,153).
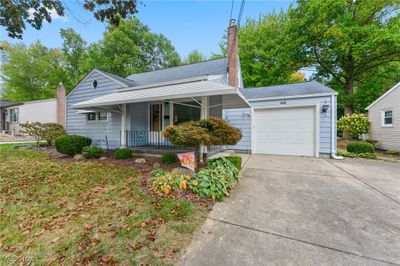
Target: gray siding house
(291,119)
(295,119)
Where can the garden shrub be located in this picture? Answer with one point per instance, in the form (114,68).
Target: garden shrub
(167,182)
(123,154)
(358,155)
(360,147)
(236,160)
(52,131)
(169,158)
(215,179)
(72,144)
(354,125)
(372,141)
(92,152)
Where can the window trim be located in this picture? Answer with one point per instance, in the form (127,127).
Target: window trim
(97,118)
(383,111)
(11,120)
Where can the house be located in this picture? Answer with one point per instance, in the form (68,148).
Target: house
(115,111)
(291,119)
(384,117)
(43,111)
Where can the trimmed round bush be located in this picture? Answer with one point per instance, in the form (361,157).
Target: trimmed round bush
(360,147)
(72,144)
(123,154)
(169,158)
(92,152)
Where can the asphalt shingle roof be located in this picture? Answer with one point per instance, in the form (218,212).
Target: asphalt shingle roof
(210,67)
(304,88)
(125,81)
(4,103)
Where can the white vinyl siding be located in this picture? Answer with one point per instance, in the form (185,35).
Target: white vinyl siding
(388,137)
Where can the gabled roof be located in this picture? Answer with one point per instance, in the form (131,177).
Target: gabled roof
(397,86)
(125,81)
(293,90)
(4,103)
(209,67)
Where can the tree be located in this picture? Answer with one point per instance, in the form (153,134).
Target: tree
(354,125)
(346,40)
(31,73)
(33,129)
(73,49)
(194,56)
(130,48)
(266,51)
(15,14)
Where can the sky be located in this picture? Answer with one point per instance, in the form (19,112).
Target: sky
(188,24)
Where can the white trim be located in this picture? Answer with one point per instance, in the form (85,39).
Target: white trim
(383,117)
(97,121)
(316,125)
(167,83)
(123,125)
(333,121)
(40,101)
(384,95)
(293,97)
(10,119)
(90,73)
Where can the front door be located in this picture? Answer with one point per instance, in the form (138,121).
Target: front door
(155,117)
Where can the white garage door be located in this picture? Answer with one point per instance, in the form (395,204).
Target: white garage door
(286,131)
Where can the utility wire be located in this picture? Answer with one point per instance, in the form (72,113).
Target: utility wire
(230,17)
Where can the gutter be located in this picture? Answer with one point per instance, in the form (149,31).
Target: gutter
(333,148)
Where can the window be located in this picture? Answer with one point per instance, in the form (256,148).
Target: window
(97,117)
(187,111)
(387,118)
(14,115)
(102,116)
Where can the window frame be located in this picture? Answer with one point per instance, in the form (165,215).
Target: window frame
(383,117)
(11,115)
(97,115)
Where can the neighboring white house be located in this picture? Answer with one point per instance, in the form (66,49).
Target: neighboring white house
(384,115)
(43,111)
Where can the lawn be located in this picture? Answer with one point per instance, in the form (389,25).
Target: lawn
(55,212)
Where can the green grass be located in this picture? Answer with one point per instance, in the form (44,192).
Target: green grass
(84,212)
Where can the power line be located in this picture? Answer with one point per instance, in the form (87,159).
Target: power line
(230,17)
(241,12)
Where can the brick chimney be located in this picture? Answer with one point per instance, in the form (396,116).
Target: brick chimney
(61,104)
(232,54)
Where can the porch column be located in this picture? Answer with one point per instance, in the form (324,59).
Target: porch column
(204,115)
(123,125)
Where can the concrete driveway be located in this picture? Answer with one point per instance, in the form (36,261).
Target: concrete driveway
(305,211)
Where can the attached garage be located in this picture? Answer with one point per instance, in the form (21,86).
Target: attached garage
(294,119)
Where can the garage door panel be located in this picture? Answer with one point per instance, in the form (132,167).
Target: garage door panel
(286,131)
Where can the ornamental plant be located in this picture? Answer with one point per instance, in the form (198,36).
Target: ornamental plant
(360,147)
(354,125)
(51,131)
(34,130)
(72,144)
(165,182)
(208,132)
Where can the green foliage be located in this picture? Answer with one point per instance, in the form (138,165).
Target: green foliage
(15,14)
(130,48)
(358,155)
(355,125)
(346,40)
(209,132)
(167,182)
(393,152)
(31,73)
(169,158)
(34,129)
(158,172)
(92,152)
(360,147)
(235,160)
(215,179)
(71,144)
(372,141)
(194,56)
(123,154)
(267,54)
(51,131)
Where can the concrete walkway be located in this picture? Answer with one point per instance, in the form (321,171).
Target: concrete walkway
(305,211)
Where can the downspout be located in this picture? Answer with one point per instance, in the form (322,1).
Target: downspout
(333,148)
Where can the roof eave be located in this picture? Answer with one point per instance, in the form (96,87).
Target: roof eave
(383,95)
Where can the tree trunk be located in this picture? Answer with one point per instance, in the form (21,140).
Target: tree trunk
(348,108)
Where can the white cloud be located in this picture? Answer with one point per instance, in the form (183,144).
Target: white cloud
(53,14)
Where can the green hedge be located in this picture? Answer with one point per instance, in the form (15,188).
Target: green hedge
(169,158)
(360,147)
(92,152)
(72,144)
(123,154)
(235,160)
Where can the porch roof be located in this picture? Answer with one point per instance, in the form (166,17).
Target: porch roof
(231,97)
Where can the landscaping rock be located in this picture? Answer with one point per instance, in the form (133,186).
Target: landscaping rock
(140,160)
(103,158)
(78,157)
(182,171)
(156,165)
